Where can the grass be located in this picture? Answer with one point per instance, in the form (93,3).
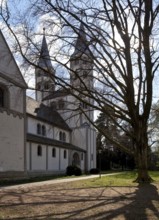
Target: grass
(16,181)
(121,179)
(84,199)
(8,182)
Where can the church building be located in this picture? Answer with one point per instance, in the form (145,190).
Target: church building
(46,134)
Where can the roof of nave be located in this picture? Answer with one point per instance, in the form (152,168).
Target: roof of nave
(45,113)
(56,143)
(57,94)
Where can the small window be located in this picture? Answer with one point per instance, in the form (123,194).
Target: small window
(85,74)
(61,104)
(46,86)
(53,105)
(39,73)
(65,154)
(43,130)
(64,136)
(38,129)
(39,150)
(83,105)
(76,62)
(38,87)
(1,97)
(60,136)
(53,152)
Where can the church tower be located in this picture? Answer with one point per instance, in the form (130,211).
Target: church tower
(81,79)
(44,73)
(81,76)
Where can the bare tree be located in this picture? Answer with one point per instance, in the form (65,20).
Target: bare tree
(119,41)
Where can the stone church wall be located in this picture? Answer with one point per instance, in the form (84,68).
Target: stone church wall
(11,142)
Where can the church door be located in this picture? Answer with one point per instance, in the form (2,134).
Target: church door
(76,160)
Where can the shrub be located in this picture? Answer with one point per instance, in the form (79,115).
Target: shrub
(73,170)
(77,171)
(70,170)
(94,171)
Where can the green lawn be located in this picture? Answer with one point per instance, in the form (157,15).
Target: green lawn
(122,179)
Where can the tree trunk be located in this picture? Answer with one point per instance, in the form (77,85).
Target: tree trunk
(142,151)
(142,165)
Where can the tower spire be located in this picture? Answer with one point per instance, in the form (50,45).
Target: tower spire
(81,45)
(44,58)
(44,73)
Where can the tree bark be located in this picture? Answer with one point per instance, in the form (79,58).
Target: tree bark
(142,164)
(142,153)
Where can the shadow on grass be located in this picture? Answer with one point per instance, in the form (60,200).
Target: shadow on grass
(137,203)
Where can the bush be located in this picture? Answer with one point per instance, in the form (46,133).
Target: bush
(94,171)
(73,170)
(77,171)
(70,170)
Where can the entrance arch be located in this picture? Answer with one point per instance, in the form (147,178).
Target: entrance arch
(76,159)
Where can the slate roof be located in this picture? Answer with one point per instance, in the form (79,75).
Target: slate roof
(81,46)
(57,94)
(45,113)
(44,59)
(52,142)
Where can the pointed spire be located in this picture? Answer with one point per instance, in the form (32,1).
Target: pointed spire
(81,46)
(44,58)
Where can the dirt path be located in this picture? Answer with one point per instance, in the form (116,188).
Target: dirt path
(66,201)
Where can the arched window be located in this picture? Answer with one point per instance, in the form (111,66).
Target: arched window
(46,86)
(53,105)
(39,150)
(1,97)
(83,105)
(63,136)
(60,136)
(53,152)
(85,74)
(38,128)
(65,154)
(76,159)
(76,62)
(38,86)
(43,130)
(38,73)
(61,104)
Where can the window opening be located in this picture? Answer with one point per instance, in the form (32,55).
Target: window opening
(38,129)
(1,97)
(39,150)
(65,154)
(53,152)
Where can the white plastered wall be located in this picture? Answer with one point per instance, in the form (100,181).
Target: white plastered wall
(53,162)
(45,162)
(85,138)
(38,163)
(32,127)
(11,142)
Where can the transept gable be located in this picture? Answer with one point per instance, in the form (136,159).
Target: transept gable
(8,66)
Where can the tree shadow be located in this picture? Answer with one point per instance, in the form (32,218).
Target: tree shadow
(137,203)
(141,206)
